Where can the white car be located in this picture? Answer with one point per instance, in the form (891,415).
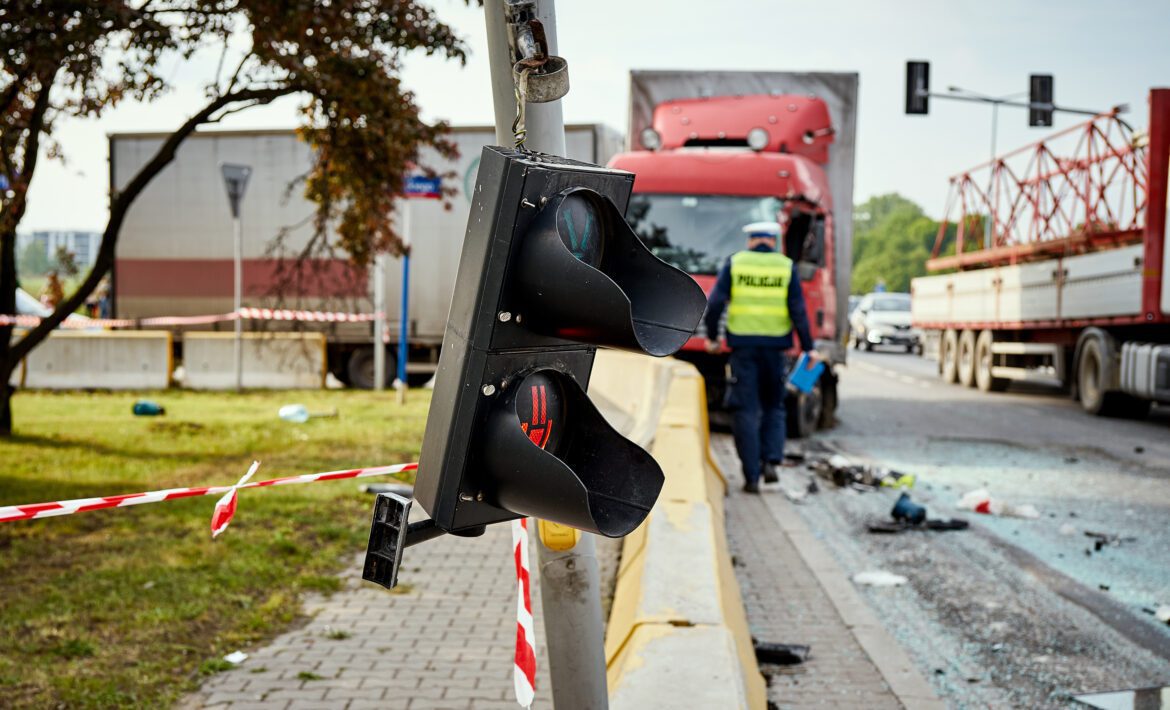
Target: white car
(884,319)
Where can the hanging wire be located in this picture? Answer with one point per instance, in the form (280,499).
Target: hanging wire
(519,131)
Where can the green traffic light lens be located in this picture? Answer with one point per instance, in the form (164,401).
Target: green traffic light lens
(579,224)
(540,407)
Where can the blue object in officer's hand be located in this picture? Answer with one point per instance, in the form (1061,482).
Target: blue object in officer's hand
(804,377)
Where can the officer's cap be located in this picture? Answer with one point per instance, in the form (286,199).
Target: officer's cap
(769,230)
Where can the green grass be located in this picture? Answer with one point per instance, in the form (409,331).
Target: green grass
(131,607)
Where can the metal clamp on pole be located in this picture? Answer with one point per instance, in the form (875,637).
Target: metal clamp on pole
(543,77)
(391,533)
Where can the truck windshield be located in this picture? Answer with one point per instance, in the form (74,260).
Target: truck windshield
(697,233)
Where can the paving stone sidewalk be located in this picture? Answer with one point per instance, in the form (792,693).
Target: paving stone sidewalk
(445,642)
(787,602)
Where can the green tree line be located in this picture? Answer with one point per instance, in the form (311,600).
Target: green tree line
(892,239)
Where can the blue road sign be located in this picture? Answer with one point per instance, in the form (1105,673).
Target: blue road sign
(421,186)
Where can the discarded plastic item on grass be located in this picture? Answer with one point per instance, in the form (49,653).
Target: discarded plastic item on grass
(804,377)
(236,657)
(907,510)
(295,413)
(1162,613)
(298,414)
(980,501)
(148,408)
(781,654)
(879,578)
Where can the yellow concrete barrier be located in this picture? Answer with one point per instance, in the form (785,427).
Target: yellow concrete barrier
(677,633)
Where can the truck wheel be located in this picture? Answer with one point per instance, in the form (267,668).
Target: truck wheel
(828,404)
(361,368)
(965,358)
(1095,399)
(948,352)
(983,363)
(804,412)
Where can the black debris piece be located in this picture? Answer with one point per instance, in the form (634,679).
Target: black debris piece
(781,654)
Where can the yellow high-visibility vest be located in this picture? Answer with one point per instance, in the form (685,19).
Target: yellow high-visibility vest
(759,294)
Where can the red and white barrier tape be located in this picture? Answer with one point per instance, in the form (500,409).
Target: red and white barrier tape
(224,509)
(280,314)
(524,673)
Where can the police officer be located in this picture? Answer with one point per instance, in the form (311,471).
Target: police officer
(761,292)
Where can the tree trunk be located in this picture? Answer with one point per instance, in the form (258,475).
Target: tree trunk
(5,402)
(7,306)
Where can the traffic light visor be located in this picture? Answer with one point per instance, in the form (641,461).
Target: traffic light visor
(584,275)
(552,455)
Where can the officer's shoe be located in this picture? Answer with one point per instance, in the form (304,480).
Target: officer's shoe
(771,472)
(751,487)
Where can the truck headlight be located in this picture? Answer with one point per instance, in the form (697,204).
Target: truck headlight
(651,140)
(757,139)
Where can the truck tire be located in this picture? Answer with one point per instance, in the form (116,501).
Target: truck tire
(804,412)
(983,363)
(965,358)
(948,352)
(360,368)
(1095,399)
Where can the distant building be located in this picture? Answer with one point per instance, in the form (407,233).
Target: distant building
(83,245)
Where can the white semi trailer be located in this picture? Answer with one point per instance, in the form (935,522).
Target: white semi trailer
(175,252)
(1074,290)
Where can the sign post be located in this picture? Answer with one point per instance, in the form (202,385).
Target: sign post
(417,187)
(235,180)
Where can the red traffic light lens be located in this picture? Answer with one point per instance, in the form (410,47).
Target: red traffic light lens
(540,407)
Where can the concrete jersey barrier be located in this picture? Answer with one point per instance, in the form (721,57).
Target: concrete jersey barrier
(277,360)
(100,359)
(677,633)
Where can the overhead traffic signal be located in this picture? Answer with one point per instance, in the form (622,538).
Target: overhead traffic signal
(917,88)
(1040,100)
(550,270)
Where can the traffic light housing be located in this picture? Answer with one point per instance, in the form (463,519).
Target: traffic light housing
(1040,92)
(917,88)
(549,271)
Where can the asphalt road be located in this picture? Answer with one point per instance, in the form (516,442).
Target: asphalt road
(1012,612)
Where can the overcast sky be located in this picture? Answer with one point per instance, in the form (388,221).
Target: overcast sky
(1100,53)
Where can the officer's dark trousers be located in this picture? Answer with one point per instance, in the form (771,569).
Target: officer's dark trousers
(757,401)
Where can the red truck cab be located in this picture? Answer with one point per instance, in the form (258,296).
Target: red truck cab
(710,166)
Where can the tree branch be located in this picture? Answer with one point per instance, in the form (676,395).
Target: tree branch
(120,205)
(29,153)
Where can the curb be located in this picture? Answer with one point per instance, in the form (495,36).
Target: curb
(677,633)
(895,667)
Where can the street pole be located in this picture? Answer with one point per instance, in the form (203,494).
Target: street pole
(235,181)
(379,321)
(239,287)
(570,580)
(988,235)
